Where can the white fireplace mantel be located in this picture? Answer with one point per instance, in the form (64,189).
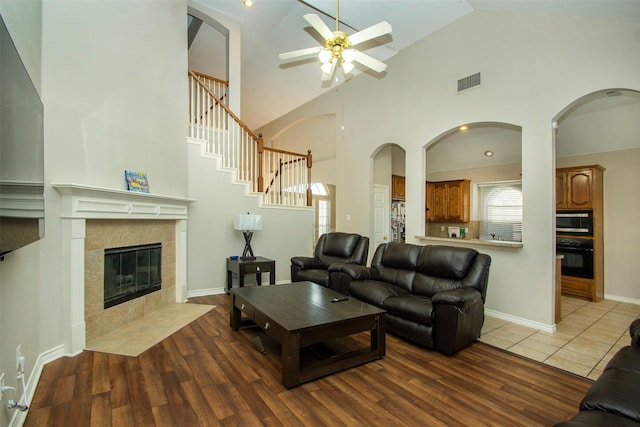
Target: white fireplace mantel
(90,202)
(82,202)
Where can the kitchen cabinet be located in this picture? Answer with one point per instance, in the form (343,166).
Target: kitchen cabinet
(450,200)
(397,187)
(579,188)
(429,200)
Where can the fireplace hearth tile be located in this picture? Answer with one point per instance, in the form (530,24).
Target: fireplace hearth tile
(139,335)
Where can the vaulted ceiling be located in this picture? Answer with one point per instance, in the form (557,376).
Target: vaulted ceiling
(271,87)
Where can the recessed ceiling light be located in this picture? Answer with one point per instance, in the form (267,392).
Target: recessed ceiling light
(488,153)
(463,128)
(248,3)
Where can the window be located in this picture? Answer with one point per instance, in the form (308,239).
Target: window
(324,217)
(501,211)
(323,196)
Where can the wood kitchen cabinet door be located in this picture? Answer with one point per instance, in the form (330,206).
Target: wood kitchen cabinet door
(561,189)
(440,200)
(578,188)
(429,200)
(397,187)
(448,200)
(458,201)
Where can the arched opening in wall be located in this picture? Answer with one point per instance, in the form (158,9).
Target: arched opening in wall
(597,156)
(388,195)
(324,208)
(473,183)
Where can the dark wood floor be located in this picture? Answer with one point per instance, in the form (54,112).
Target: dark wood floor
(206,374)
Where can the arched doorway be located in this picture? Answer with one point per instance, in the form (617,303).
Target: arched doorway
(602,128)
(388,197)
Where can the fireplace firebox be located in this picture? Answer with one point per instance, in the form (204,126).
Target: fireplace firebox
(131,272)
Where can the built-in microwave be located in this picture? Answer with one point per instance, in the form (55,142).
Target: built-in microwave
(574,222)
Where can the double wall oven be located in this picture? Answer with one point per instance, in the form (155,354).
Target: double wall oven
(574,240)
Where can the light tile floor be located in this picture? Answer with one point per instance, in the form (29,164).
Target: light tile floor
(585,340)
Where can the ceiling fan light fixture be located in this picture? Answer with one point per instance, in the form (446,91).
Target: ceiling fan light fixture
(326,67)
(325,56)
(348,55)
(337,46)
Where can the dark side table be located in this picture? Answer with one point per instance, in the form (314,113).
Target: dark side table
(240,267)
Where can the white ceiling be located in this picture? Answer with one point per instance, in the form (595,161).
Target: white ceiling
(271,88)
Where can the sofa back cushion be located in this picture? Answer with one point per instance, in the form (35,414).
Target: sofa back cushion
(396,263)
(442,268)
(342,247)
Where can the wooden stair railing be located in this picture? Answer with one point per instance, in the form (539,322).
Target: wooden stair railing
(211,120)
(285,167)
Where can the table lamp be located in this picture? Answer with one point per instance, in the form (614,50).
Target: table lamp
(247,223)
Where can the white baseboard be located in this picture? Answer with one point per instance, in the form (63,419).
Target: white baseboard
(520,321)
(217,291)
(205,292)
(618,298)
(31,384)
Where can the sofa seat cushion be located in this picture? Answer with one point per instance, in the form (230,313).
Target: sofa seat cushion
(321,277)
(412,307)
(375,292)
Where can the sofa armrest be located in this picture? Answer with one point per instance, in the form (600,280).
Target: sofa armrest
(306,263)
(461,297)
(342,274)
(355,271)
(458,319)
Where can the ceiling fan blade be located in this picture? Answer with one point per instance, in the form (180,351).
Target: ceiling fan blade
(300,52)
(319,25)
(372,32)
(369,61)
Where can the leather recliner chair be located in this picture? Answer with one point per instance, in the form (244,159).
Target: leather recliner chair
(331,248)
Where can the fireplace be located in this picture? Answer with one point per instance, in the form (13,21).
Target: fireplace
(131,272)
(96,218)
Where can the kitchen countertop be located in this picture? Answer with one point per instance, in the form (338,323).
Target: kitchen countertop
(472,242)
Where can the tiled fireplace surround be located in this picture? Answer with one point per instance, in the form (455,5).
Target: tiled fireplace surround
(95,218)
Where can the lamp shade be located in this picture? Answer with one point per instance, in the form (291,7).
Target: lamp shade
(247,222)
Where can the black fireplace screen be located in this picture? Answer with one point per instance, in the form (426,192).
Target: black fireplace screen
(131,272)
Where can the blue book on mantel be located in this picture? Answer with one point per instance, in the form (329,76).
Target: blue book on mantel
(136,181)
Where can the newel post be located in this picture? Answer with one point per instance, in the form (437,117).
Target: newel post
(309,164)
(260,157)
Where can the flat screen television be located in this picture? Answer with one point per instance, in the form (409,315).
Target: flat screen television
(21,151)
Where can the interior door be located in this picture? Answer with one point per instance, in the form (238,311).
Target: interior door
(381,213)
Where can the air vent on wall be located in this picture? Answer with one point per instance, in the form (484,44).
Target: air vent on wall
(469,82)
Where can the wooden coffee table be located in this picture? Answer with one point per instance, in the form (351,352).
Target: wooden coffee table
(300,314)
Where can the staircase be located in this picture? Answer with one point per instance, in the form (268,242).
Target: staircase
(282,177)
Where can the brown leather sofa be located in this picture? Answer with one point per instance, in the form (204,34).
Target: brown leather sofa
(614,398)
(331,248)
(433,295)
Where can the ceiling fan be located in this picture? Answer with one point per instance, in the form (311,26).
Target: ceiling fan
(338,46)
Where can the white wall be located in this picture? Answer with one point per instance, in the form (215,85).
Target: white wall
(20,272)
(285,232)
(532,68)
(113,85)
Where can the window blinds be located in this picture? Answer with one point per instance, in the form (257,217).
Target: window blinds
(501,211)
